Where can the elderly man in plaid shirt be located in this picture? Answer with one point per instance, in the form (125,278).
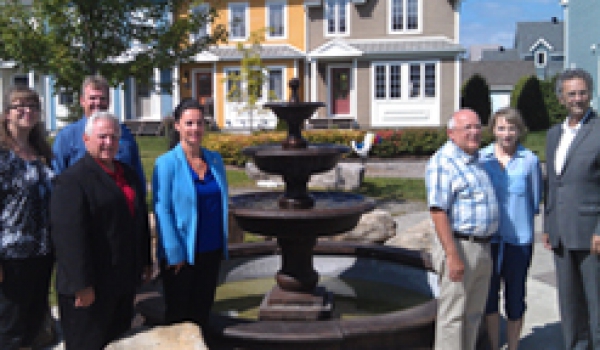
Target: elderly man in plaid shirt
(464,212)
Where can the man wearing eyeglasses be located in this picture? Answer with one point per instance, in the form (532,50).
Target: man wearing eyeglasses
(68,145)
(464,211)
(572,210)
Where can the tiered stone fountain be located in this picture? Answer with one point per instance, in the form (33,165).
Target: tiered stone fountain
(297,312)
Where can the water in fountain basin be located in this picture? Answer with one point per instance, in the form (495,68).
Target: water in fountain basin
(353,297)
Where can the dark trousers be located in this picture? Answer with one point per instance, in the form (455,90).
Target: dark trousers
(578,277)
(93,327)
(23,300)
(190,293)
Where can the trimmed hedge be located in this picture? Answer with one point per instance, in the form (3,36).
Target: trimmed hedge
(390,143)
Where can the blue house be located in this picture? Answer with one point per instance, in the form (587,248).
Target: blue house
(582,39)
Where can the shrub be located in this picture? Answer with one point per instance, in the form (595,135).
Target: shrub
(476,96)
(530,102)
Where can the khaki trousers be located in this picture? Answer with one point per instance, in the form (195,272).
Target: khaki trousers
(461,304)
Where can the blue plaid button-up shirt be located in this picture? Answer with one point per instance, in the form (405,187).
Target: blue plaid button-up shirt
(457,183)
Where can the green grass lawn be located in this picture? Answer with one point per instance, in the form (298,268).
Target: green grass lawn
(536,141)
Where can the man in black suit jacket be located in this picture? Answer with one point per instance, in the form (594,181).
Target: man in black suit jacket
(100,232)
(572,212)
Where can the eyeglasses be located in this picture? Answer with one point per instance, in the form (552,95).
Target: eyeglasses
(471,127)
(32,107)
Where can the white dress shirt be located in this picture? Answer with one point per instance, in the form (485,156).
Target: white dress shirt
(567,137)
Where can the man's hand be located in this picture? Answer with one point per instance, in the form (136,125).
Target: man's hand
(456,267)
(147,274)
(546,241)
(595,246)
(85,297)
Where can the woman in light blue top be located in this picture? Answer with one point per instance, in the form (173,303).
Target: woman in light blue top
(190,195)
(517,179)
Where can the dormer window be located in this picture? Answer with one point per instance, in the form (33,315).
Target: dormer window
(405,16)
(541,59)
(276,19)
(238,21)
(337,17)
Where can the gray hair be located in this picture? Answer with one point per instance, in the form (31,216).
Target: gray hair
(575,73)
(102,115)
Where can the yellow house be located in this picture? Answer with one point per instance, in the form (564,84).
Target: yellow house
(282,54)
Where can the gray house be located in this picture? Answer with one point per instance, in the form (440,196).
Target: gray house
(582,39)
(384,63)
(541,43)
(538,51)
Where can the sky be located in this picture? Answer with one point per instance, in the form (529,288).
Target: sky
(494,21)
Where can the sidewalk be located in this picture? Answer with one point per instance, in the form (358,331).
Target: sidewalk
(541,323)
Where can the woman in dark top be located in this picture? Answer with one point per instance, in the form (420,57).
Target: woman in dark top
(25,246)
(190,204)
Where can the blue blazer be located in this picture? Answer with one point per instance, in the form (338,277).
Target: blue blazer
(175,204)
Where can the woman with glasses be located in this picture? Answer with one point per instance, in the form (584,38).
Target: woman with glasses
(25,247)
(517,179)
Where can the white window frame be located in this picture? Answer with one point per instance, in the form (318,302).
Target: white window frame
(405,83)
(417,30)
(536,57)
(203,7)
(246,23)
(284,20)
(268,69)
(336,33)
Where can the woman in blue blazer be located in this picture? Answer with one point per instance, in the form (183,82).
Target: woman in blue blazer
(190,196)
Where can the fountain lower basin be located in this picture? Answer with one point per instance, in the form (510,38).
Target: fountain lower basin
(411,328)
(333,213)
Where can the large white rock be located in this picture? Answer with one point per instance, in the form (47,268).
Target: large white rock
(376,226)
(417,237)
(344,176)
(183,336)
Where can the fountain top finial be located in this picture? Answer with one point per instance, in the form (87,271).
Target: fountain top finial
(294,85)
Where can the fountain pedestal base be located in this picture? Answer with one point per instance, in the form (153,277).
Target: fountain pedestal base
(279,305)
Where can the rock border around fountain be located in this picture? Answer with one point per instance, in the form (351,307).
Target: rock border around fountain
(412,328)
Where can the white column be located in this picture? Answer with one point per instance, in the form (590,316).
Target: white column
(295,70)
(31,79)
(354,102)
(313,80)
(155,101)
(175,87)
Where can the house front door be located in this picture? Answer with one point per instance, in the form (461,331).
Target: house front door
(204,87)
(340,91)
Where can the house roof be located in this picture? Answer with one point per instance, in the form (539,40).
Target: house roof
(360,47)
(529,34)
(231,53)
(498,75)
(500,54)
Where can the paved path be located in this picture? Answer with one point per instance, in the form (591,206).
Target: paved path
(541,324)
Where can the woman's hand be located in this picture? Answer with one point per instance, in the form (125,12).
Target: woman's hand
(176,267)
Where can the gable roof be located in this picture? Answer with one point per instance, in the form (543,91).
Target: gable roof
(385,47)
(231,53)
(498,74)
(528,34)
(500,54)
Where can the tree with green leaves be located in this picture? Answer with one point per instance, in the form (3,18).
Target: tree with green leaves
(556,111)
(70,39)
(527,97)
(247,86)
(475,94)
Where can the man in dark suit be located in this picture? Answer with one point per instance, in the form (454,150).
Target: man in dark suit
(572,213)
(99,226)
